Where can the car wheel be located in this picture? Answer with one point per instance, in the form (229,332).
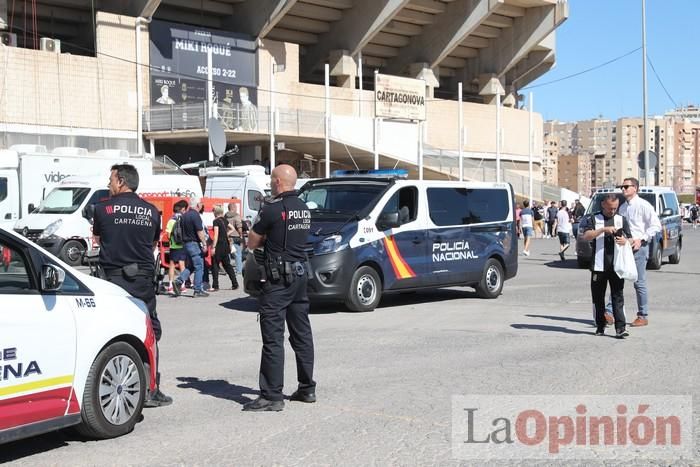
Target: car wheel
(655,259)
(582,263)
(491,282)
(72,252)
(365,290)
(114,392)
(676,257)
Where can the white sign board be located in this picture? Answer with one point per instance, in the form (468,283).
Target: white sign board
(399,97)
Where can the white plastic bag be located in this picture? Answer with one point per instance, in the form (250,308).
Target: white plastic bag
(624,262)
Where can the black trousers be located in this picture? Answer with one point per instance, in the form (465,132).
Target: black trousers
(550,228)
(599,282)
(279,303)
(225,260)
(142,288)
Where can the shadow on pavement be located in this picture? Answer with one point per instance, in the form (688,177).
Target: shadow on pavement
(428,296)
(247,304)
(543,327)
(218,388)
(569,263)
(564,318)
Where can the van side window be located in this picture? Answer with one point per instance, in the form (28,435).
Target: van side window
(3,188)
(14,273)
(458,206)
(405,202)
(670,202)
(255,200)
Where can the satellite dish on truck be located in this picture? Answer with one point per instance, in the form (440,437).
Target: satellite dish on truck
(217,137)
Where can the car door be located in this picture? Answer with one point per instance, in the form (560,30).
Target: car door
(405,245)
(37,341)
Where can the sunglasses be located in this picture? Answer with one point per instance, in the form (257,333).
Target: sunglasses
(624,187)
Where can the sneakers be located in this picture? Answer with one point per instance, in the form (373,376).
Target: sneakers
(526,253)
(640,321)
(621,334)
(234,286)
(308,397)
(609,319)
(600,332)
(177,287)
(561,255)
(263,405)
(200,294)
(158,399)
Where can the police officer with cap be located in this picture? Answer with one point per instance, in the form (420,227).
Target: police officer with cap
(127,229)
(283,228)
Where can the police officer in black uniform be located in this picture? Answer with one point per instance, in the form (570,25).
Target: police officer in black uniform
(283,228)
(127,229)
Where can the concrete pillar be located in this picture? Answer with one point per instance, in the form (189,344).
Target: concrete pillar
(343,66)
(490,87)
(3,15)
(429,75)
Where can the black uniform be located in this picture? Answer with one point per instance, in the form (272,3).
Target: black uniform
(128,226)
(285,222)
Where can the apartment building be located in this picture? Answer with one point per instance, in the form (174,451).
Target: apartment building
(574,173)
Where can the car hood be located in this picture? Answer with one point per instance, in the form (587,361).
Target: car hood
(37,221)
(321,229)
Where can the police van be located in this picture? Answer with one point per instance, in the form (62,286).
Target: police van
(667,243)
(381,233)
(74,349)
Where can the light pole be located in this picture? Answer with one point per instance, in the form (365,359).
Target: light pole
(644,92)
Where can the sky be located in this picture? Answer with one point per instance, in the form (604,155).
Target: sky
(597,31)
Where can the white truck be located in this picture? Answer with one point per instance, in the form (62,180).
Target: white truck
(249,183)
(60,224)
(29,172)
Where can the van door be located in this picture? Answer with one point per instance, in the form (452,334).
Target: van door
(406,245)
(9,199)
(468,227)
(37,354)
(671,224)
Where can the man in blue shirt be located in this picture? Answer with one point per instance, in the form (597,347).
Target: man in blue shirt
(195,243)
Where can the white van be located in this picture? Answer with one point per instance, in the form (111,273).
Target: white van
(63,335)
(376,234)
(59,224)
(249,183)
(29,172)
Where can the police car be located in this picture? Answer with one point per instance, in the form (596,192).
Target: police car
(74,350)
(667,243)
(378,233)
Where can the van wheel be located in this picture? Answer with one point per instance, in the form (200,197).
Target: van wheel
(491,282)
(365,290)
(72,252)
(654,262)
(114,392)
(676,257)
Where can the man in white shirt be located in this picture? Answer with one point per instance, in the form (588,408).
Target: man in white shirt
(644,225)
(564,228)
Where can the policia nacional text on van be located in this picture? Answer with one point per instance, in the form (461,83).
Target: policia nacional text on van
(377,233)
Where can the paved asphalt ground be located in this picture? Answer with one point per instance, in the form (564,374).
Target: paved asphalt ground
(385,379)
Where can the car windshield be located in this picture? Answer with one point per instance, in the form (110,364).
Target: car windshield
(64,200)
(598,198)
(340,198)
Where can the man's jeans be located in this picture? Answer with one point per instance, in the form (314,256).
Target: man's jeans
(641,257)
(194,251)
(239,257)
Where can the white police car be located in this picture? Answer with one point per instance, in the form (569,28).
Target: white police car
(74,350)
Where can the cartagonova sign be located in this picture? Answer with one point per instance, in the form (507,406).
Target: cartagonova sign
(399,97)
(570,427)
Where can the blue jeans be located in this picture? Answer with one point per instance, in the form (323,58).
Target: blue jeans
(239,257)
(641,257)
(195,253)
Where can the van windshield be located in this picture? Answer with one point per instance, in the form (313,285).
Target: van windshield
(598,198)
(344,199)
(64,200)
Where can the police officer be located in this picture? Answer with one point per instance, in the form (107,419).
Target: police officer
(127,229)
(283,228)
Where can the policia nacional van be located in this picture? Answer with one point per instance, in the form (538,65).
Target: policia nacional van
(378,233)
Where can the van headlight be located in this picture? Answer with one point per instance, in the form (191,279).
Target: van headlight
(330,245)
(51,229)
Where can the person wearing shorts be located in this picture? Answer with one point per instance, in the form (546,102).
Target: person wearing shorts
(527,225)
(563,228)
